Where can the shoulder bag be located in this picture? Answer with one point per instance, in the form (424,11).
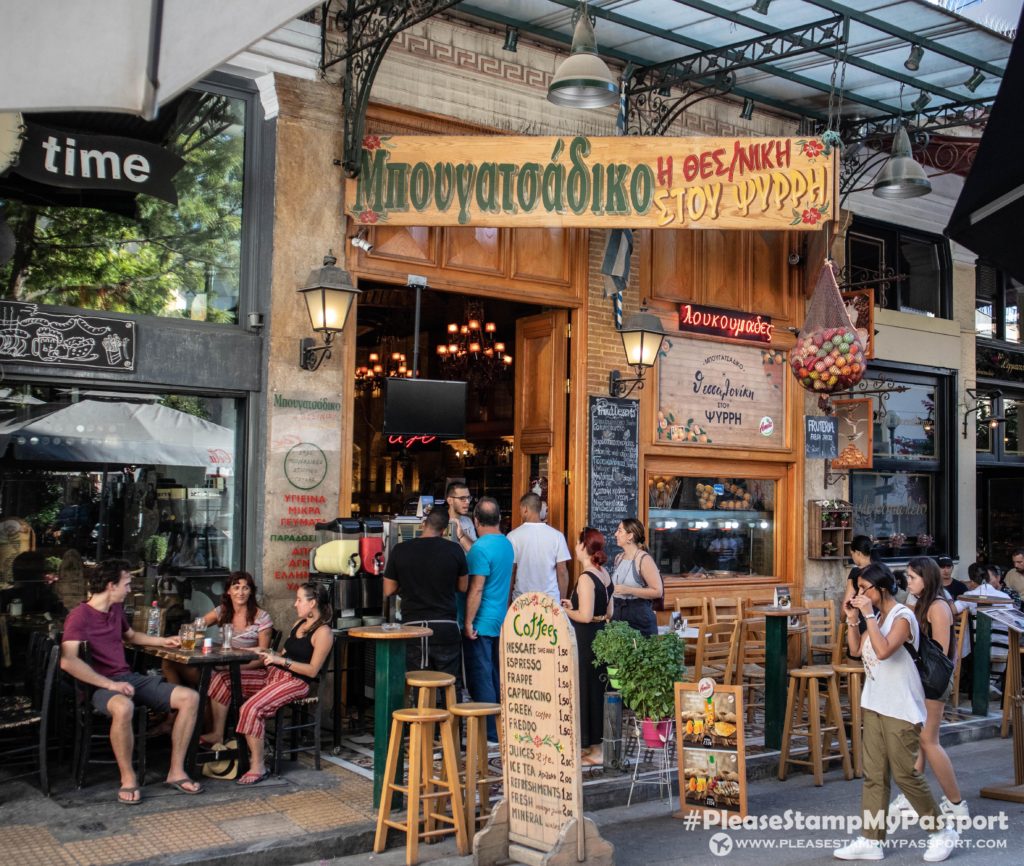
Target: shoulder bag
(933,665)
(656,603)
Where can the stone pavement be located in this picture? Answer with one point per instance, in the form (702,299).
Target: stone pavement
(648,835)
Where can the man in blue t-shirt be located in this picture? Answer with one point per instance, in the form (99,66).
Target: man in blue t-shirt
(490,581)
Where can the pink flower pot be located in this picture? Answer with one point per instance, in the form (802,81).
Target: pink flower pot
(655,734)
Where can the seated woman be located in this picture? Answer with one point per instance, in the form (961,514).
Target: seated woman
(251,625)
(286,676)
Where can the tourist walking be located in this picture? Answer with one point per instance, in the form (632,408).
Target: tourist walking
(490,562)
(893,712)
(588,608)
(636,578)
(541,553)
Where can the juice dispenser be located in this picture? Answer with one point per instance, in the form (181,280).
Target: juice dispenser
(336,558)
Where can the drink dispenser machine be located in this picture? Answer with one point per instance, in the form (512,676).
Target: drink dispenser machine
(336,561)
(371,576)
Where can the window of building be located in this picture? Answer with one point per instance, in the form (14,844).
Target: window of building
(1003,441)
(910,271)
(703,526)
(136,254)
(997,305)
(904,500)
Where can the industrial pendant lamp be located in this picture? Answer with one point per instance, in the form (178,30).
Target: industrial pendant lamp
(902,176)
(583,80)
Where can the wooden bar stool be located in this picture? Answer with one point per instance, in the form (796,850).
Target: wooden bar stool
(429,684)
(424,787)
(478,780)
(854,673)
(811,728)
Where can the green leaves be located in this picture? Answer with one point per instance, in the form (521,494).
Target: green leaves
(649,667)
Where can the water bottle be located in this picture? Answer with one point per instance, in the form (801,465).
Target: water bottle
(153,621)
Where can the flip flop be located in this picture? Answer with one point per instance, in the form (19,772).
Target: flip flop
(205,743)
(254,778)
(592,761)
(134,802)
(179,785)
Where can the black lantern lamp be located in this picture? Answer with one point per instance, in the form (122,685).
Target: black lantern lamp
(642,336)
(329,296)
(981,401)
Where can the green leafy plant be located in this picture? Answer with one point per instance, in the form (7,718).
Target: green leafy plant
(155,548)
(615,643)
(53,563)
(649,675)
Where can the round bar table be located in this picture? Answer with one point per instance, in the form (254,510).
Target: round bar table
(775,668)
(388,687)
(981,649)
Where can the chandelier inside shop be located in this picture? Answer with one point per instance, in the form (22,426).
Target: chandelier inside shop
(473,352)
(386,363)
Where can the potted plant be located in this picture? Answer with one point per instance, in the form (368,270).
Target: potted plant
(649,676)
(613,646)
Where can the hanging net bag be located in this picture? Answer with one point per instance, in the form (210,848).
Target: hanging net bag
(828,355)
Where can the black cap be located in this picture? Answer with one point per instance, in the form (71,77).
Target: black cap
(944,561)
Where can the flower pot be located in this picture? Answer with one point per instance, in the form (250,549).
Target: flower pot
(655,734)
(613,678)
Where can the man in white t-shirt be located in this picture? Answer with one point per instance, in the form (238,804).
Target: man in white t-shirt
(541,553)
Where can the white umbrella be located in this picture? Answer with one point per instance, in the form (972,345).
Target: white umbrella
(113,432)
(123,55)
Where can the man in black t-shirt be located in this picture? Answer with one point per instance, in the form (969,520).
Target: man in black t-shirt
(426,572)
(954,587)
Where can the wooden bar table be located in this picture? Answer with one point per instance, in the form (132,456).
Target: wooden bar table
(981,651)
(388,688)
(206,662)
(775,668)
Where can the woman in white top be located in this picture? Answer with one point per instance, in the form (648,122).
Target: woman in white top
(636,577)
(894,711)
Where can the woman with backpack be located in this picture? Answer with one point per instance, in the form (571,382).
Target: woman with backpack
(935,616)
(636,577)
(893,712)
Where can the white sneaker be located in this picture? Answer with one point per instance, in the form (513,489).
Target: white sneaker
(941,845)
(860,849)
(957,811)
(901,808)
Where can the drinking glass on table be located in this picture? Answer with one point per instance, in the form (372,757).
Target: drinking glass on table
(187,633)
(200,628)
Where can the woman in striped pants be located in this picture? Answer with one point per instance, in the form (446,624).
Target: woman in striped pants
(285,677)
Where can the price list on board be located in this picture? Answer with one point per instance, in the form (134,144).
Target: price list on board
(541,721)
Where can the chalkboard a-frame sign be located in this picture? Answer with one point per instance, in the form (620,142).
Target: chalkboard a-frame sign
(614,464)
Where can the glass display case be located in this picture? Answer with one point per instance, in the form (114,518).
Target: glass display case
(712,527)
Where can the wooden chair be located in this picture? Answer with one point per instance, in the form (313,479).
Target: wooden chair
(693,610)
(729,609)
(750,663)
(717,648)
(821,623)
(811,681)
(25,720)
(960,629)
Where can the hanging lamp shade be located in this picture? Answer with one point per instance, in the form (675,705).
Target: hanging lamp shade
(583,80)
(902,176)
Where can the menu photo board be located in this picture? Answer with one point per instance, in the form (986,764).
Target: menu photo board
(614,465)
(709,741)
(712,393)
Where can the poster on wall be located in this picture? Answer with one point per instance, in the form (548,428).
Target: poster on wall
(302,483)
(721,394)
(855,419)
(709,741)
(860,304)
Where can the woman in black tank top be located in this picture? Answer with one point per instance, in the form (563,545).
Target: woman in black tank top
(588,609)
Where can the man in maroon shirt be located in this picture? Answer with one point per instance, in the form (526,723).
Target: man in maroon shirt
(101,622)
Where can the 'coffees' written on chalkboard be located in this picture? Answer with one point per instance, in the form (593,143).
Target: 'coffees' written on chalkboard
(614,464)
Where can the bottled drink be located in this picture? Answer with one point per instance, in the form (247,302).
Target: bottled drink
(153,621)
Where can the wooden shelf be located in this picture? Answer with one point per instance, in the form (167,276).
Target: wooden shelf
(832,511)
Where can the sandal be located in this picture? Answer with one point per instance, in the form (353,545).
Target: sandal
(252,778)
(134,801)
(592,760)
(179,785)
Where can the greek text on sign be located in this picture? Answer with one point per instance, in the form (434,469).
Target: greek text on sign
(695,319)
(635,182)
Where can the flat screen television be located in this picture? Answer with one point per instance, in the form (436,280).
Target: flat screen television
(425,406)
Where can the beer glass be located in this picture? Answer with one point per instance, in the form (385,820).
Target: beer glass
(187,633)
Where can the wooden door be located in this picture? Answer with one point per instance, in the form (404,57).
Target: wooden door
(541,359)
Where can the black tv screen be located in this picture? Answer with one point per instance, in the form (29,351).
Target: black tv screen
(425,406)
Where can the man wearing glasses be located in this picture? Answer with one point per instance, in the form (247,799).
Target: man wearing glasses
(458,498)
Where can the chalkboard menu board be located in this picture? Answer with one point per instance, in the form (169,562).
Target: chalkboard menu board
(821,436)
(614,464)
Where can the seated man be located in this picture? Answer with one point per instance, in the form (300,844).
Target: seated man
(101,622)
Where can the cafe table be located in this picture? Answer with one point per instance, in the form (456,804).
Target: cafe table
(775,668)
(389,687)
(205,663)
(981,649)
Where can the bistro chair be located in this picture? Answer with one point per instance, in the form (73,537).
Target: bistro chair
(750,664)
(808,681)
(821,633)
(693,610)
(86,735)
(960,630)
(717,649)
(729,609)
(293,720)
(25,720)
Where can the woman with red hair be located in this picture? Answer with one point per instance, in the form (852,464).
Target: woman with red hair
(589,608)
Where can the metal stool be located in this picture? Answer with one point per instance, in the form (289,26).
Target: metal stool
(854,673)
(423,784)
(429,684)
(811,727)
(478,780)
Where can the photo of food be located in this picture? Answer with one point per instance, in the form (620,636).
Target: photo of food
(708,722)
(711,779)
